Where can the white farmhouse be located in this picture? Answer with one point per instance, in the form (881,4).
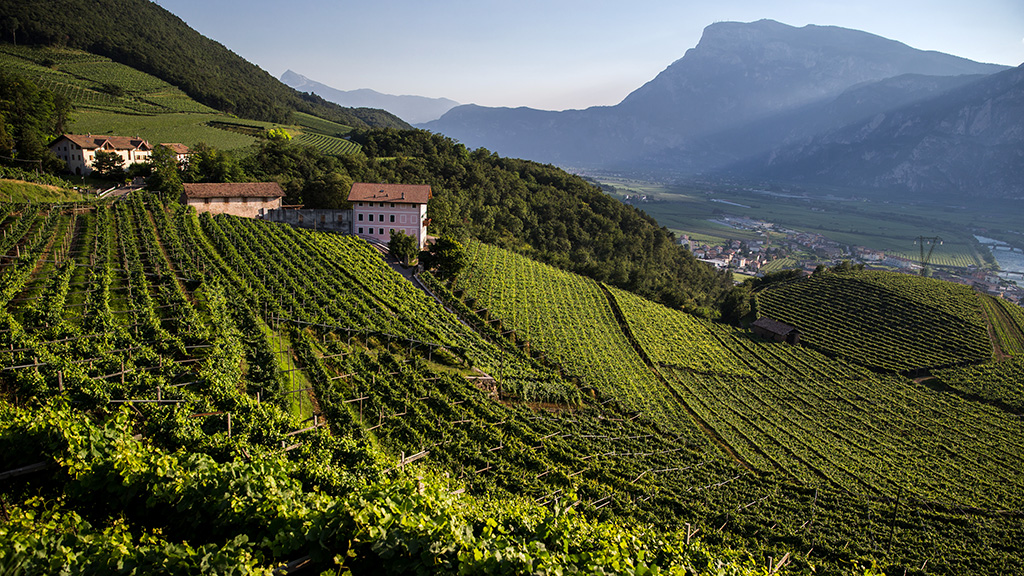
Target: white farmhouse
(79,150)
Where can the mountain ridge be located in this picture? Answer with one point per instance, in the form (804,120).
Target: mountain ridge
(411,108)
(703,113)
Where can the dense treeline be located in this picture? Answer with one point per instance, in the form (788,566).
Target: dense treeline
(145,36)
(29,117)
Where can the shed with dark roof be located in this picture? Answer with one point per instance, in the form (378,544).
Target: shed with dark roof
(774,330)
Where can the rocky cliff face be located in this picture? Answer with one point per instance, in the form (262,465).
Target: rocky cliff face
(968,140)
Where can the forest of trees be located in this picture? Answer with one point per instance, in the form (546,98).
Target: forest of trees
(29,118)
(145,36)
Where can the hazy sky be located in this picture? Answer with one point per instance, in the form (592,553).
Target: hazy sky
(554,54)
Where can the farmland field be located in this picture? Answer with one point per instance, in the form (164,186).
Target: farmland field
(884,320)
(188,129)
(846,217)
(111,98)
(328,144)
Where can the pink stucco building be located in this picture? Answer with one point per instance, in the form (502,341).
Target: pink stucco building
(378,210)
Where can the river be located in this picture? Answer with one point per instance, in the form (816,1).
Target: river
(1011,262)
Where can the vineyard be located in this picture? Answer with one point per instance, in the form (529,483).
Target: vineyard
(96,82)
(786,411)
(893,322)
(328,144)
(112,98)
(255,396)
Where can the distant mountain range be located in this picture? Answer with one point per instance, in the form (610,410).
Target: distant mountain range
(412,109)
(765,100)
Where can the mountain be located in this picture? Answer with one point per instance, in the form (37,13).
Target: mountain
(970,139)
(412,109)
(744,89)
(145,36)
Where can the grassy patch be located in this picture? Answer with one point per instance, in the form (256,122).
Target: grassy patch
(18,191)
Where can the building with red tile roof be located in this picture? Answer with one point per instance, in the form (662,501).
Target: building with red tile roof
(246,199)
(79,150)
(379,210)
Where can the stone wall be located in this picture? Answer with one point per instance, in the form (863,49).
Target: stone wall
(244,207)
(312,218)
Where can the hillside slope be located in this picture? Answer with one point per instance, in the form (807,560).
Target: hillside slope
(147,37)
(883,320)
(968,140)
(293,399)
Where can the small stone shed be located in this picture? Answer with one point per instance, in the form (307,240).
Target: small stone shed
(774,330)
(246,199)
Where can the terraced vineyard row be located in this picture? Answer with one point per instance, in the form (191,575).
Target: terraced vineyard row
(1001,383)
(212,328)
(92,81)
(328,144)
(569,318)
(890,321)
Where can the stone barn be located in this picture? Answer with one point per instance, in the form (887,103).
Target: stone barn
(246,199)
(775,330)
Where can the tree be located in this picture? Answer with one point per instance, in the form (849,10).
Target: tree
(31,116)
(446,255)
(402,245)
(208,164)
(11,23)
(164,178)
(108,164)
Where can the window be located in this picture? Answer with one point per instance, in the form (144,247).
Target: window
(360,230)
(381,217)
(381,204)
(360,203)
(380,231)
(392,231)
(392,205)
(392,217)
(360,218)
(370,217)
(206,200)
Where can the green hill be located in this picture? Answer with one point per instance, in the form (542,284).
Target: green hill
(883,320)
(148,38)
(247,395)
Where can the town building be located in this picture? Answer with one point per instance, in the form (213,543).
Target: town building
(246,199)
(181,152)
(78,151)
(379,210)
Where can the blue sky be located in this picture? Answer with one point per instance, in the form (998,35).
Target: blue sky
(554,54)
